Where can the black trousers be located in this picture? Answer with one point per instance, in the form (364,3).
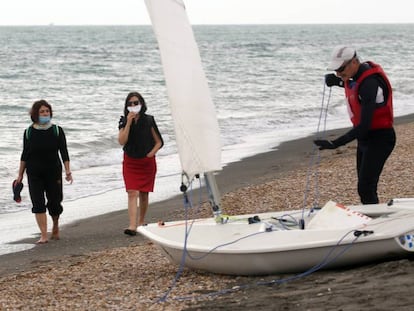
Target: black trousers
(372,154)
(49,184)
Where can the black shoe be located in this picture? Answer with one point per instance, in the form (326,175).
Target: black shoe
(130,232)
(17,188)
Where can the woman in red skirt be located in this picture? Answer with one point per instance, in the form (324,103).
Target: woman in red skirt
(139,135)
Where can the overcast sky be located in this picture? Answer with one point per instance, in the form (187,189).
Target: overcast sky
(132,12)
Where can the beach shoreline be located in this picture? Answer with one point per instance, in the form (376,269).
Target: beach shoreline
(105,231)
(100,236)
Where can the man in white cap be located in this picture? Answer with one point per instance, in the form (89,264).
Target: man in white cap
(369,98)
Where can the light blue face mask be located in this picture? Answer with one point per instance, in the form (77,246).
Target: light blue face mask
(44,119)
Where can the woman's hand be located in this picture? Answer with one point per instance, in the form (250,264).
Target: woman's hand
(19,178)
(131,116)
(69,177)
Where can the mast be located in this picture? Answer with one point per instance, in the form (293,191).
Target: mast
(214,196)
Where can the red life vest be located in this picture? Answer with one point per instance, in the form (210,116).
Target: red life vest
(383,116)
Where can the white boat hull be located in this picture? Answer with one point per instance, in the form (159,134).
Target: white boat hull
(240,248)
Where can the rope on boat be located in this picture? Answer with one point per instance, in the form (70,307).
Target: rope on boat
(187,204)
(313,167)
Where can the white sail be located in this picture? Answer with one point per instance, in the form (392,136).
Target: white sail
(193,112)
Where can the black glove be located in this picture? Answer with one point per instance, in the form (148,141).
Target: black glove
(324,144)
(331,80)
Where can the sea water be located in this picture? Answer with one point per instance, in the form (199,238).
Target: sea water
(266,82)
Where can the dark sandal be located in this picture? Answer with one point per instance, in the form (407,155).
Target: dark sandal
(130,232)
(17,188)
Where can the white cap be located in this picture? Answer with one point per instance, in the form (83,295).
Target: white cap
(340,55)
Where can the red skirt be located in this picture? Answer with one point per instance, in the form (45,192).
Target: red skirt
(139,174)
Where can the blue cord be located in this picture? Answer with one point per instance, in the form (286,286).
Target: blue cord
(187,203)
(325,261)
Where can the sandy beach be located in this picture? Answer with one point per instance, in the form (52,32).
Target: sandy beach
(96,267)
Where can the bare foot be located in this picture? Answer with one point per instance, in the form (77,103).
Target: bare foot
(55,234)
(41,241)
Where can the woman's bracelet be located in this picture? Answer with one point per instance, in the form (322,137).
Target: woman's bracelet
(68,174)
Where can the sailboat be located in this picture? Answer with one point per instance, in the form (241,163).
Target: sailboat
(255,244)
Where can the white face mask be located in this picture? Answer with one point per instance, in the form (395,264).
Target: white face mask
(134,109)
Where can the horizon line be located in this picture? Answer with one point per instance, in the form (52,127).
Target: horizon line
(215,24)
